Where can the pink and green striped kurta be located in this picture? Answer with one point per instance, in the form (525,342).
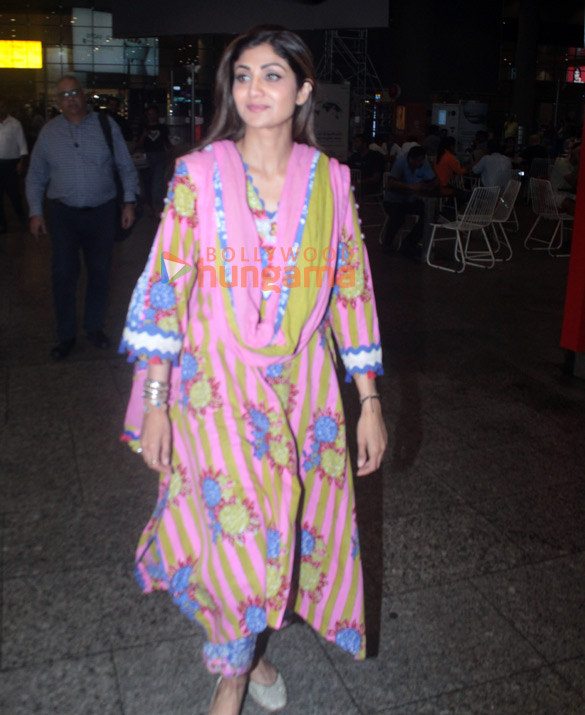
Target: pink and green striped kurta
(261,485)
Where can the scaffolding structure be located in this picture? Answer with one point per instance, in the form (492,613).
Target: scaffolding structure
(346,60)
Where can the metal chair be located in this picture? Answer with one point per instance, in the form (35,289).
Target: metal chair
(465,182)
(503,211)
(477,216)
(545,206)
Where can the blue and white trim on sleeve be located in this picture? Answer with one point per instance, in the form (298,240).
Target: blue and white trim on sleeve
(362,359)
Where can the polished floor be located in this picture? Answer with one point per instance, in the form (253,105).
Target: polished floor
(473,533)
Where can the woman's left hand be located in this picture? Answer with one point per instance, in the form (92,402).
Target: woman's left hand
(372,438)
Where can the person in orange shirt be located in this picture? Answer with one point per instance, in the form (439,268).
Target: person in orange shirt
(446,164)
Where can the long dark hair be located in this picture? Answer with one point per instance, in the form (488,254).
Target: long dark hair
(446,143)
(226,123)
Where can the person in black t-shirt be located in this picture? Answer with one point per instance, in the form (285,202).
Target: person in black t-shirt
(154,142)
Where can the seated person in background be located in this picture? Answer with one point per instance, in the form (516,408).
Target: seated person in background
(494,169)
(509,148)
(534,150)
(479,146)
(409,175)
(446,164)
(408,144)
(431,141)
(563,178)
(387,147)
(370,164)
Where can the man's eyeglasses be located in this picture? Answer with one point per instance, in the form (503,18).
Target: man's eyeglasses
(70,93)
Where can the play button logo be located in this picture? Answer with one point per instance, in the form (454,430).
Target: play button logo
(172,267)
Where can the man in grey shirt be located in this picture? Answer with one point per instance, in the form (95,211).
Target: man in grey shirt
(494,169)
(72,162)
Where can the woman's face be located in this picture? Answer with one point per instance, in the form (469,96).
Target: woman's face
(265,89)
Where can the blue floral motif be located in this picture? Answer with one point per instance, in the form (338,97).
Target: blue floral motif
(149,314)
(214,525)
(186,605)
(162,296)
(255,619)
(355,542)
(272,544)
(161,505)
(259,420)
(349,639)
(313,459)
(189,367)
(262,424)
(211,492)
(239,653)
(157,572)
(139,578)
(274,370)
(307,543)
(180,581)
(326,429)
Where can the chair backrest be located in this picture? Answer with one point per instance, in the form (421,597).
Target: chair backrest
(505,204)
(465,182)
(543,198)
(480,207)
(539,169)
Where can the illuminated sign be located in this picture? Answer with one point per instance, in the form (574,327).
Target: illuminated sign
(576,74)
(96,50)
(21,54)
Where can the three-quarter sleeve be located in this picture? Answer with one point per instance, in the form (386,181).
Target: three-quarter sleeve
(159,309)
(352,312)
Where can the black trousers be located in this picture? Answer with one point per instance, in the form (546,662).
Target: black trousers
(91,232)
(397,212)
(9,184)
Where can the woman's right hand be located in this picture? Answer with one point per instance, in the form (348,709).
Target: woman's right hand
(155,439)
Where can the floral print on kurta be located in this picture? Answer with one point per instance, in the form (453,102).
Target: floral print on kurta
(249,439)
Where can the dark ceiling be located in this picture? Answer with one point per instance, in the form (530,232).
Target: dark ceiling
(566,11)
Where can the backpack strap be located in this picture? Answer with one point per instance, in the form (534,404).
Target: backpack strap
(107,130)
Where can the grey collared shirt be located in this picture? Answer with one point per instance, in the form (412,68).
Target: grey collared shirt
(73,163)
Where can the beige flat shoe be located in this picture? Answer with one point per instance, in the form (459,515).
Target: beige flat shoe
(270,697)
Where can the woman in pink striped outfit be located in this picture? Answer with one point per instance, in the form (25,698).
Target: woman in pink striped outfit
(257,267)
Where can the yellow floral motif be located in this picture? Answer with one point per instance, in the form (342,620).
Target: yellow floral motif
(175,485)
(253,200)
(283,391)
(340,442)
(203,598)
(169,324)
(332,463)
(309,576)
(200,394)
(352,289)
(184,201)
(234,518)
(279,452)
(273,581)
